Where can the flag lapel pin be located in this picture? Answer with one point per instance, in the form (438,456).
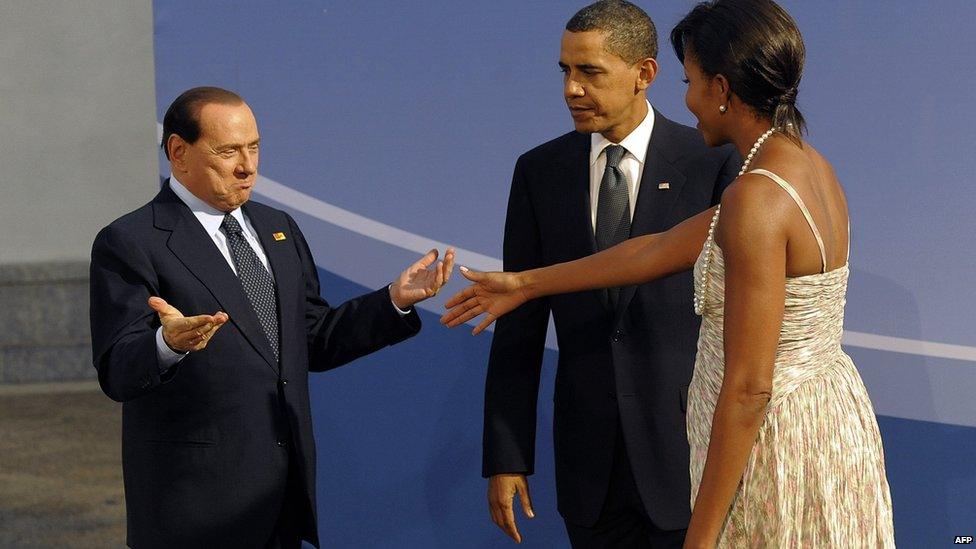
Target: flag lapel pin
(664,185)
(278,236)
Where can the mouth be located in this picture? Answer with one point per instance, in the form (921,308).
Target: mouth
(578,112)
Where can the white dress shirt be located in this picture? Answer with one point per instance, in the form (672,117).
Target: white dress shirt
(632,163)
(210,218)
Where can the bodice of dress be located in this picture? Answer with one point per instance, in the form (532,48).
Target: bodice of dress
(810,336)
(813,317)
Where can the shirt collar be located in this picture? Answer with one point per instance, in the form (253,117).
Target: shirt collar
(635,143)
(209,217)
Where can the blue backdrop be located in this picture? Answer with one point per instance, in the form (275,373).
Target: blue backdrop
(389,128)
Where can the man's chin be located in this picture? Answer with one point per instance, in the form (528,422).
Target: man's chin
(236,200)
(585,126)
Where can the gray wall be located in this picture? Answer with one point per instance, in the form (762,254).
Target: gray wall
(77,150)
(77,112)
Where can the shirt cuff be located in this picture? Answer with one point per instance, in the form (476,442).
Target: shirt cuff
(167,357)
(398,310)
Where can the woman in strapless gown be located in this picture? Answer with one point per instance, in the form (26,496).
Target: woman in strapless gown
(785,447)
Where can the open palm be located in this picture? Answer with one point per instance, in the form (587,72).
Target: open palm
(423,279)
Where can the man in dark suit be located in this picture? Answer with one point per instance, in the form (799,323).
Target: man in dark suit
(625,355)
(217,443)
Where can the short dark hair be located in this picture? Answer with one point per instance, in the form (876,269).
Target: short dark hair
(756,45)
(629,33)
(183,115)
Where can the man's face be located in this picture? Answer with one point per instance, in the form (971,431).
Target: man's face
(604,93)
(221,167)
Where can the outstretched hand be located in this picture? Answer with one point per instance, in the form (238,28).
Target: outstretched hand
(423,279)
(494,293)
(186,333)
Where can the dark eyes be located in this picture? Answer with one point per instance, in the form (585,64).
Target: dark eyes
(588,72)
(685,80)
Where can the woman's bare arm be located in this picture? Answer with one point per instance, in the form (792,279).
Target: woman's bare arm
(752,236)
(635,261)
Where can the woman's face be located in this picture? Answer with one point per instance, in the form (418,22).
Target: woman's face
(703,98)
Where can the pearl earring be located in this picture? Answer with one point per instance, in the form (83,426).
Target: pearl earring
(722,109)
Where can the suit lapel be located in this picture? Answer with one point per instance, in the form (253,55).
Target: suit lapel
(574,181)
(654,204)
(195,249)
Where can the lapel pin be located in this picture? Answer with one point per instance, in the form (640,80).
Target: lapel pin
(664,186)
(279,236)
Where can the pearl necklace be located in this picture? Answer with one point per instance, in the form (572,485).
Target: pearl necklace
(702,283)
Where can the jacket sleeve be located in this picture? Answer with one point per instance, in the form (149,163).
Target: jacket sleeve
(358,327)
(123,325)
(515,361)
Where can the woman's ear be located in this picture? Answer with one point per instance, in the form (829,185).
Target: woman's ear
(722,88)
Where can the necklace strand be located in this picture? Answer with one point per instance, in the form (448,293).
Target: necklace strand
(701,285)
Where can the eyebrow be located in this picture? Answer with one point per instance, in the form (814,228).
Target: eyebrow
(229,146)
(582,66)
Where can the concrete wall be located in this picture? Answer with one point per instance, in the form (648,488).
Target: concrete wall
(77,150)
(77,112)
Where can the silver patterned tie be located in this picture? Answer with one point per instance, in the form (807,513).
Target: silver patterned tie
(613,208)
(255,279)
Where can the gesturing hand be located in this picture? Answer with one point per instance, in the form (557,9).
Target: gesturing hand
(419,281)
(494,293)
(186,333)
(502,490)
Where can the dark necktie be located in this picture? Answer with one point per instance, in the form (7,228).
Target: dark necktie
(613,208)
(255,279)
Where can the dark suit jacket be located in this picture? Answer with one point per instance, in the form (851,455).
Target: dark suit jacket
(205,448)
(631,365)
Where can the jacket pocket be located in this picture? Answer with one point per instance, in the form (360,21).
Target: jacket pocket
(178,433)
(191,443)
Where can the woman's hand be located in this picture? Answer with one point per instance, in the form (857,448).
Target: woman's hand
(494,293)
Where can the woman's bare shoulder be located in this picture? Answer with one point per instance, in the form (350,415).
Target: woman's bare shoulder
(753,205)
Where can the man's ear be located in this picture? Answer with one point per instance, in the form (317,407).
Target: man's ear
(647,74)
(176,150)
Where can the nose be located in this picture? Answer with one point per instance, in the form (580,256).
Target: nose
(572,88)
(248,164)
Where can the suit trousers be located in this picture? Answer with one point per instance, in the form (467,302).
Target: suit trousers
(623,521)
